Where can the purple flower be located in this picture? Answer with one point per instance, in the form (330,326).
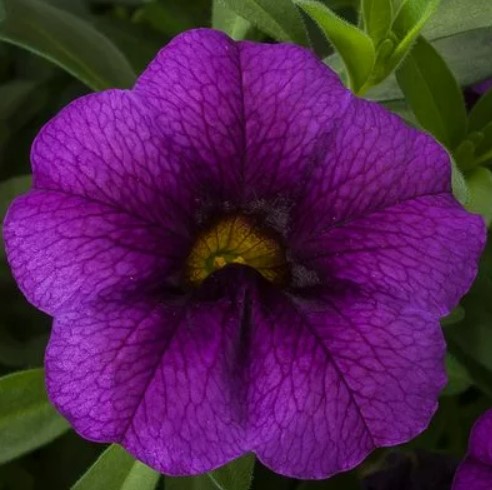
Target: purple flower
(241,256)
(475,472)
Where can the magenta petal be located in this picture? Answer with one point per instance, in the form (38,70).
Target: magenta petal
(194,88)
(158,379)
(311,386)
(335,377)
(475,472)
(373,160)
(65,250)
(292,104)
(424,251)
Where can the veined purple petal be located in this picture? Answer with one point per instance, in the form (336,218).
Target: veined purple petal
(311,386)
(415,250)
(339,375)
(475,472)
(66,250)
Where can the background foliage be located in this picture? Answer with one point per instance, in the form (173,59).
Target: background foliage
(417,57)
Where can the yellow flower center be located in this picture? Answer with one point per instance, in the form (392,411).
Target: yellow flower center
(235,240)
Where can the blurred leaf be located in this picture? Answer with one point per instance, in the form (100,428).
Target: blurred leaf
(225,20)
(167,18)
(481,113)
(456,316)
(483,150)
(377,15)
(458,183)
(409,21)
(12,95)
(140,44)
(68,41)
(459,379)
(455,16)
(77,7)
(354,46)
(277,18)
(481,376)
(117,470)
(27,420)
(433,94)
(467,55)
(343,481)
(480,201)
(8,191)
(474,335)
(236,475)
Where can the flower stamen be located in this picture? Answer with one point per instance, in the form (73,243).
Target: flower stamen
(236,240)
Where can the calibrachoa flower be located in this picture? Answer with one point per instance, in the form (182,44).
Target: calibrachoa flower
(242,256)
(475,472)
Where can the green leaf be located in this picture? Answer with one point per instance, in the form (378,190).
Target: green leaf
(455,16)
(474,335)
(377,16)
(8,191)
(468,56)
(12,95)
(458,183)
(479,183)
(459,379)
(456,316)
(277,18)
(409,21)
(481,114)
(354,46)
(225,20)
(66,40)
(236,475)
(433,94)
(117,470)
(27,420)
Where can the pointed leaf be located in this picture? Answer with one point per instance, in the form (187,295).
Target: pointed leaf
(27,419)
(409,21)
(433,94)
(481,114)
(354,46)
(277,18)
(455,16)
(117,470)
(225,20)
(480,194)
(459,379)
(66,40)
(377,16)
(236,475)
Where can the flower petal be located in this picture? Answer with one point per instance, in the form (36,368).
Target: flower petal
(339,376)
(256,114)
(156,378)
(424,251)
(194,88)
(65,250)
(108,147)
(475,472)
(292,104)
(374,160)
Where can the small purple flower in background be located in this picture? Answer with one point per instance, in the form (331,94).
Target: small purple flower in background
(475,472)
(242,256)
